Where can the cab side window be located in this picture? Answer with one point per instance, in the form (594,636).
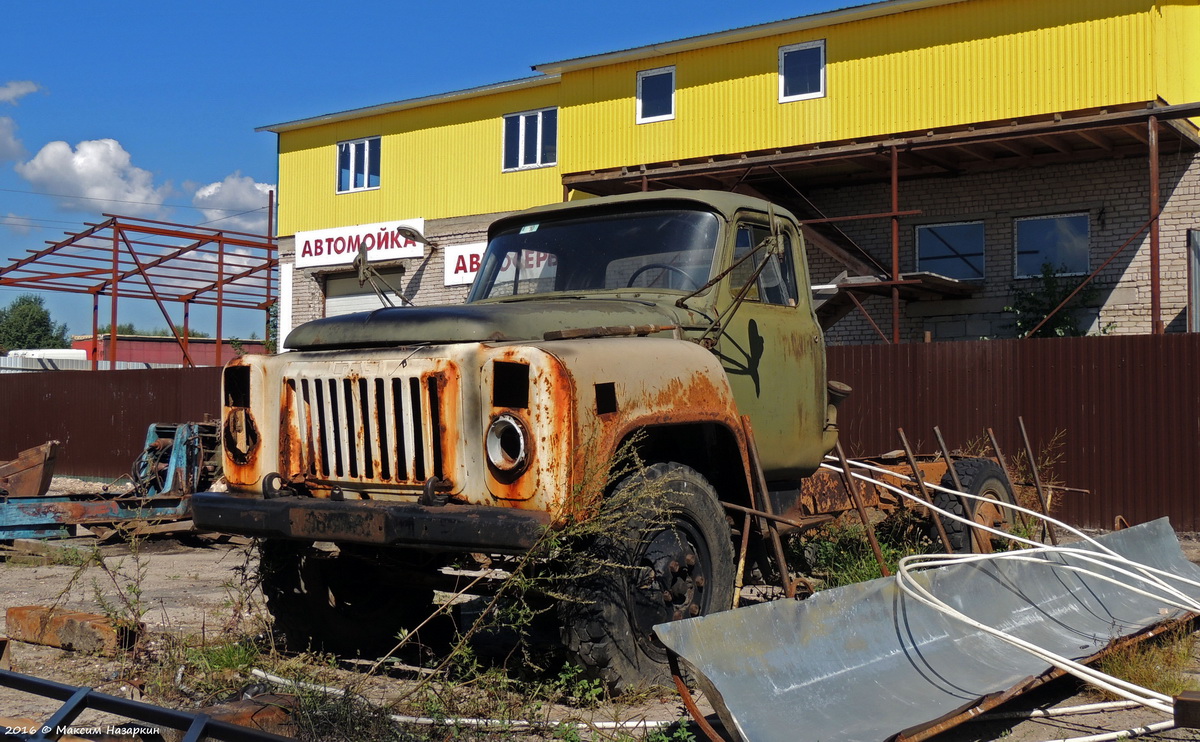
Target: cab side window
(776,282)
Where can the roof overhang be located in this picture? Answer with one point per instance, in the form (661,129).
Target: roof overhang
(1092,134)
(404,105)
(746,33)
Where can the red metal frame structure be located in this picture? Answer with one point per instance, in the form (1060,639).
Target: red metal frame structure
(130,258)
(1129,130)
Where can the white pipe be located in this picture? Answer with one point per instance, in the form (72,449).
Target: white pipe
(1086,708)
(513,724)
(1104,557)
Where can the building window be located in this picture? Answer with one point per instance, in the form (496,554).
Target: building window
(952,250)
(358,165)
(802,71)
(656,95)
(1059,241)
(531,139)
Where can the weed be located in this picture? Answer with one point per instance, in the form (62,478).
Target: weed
(1159,664)
(839,553)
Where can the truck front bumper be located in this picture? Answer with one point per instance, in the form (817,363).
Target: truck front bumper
(433,528)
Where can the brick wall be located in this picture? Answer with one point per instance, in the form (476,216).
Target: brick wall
(1114,193)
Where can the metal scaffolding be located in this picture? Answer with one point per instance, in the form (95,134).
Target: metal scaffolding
(130,258)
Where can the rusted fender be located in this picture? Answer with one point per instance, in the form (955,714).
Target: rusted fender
(867,662)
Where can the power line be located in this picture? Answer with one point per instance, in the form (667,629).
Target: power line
(114,200)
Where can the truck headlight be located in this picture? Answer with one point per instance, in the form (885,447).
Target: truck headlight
(507,445)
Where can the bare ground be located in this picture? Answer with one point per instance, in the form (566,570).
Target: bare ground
(197,587)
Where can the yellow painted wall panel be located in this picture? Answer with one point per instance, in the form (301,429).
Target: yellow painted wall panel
(959,63)
(965,62)
(436,161)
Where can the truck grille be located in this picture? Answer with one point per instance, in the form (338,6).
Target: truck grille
(367,429)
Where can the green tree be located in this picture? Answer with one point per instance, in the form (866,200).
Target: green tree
(1031,305)
(26,323)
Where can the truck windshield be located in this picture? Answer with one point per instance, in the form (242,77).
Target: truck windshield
(654,250)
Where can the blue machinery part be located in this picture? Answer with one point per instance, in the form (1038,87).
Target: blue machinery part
(868,662)
(178,460)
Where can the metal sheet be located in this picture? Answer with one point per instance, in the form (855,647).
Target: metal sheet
(866,661)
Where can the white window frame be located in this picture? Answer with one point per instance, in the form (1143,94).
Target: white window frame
(1041,217)
(982,246)
(783,51)
(370,142)
(520,116)
(642,75)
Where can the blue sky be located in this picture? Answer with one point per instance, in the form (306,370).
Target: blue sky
(153,105)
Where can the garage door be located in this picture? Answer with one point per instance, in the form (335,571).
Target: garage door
(343,295)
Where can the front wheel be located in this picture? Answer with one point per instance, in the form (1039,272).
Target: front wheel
(667,554)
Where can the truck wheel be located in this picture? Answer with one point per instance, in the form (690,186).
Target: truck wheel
(979,477)
(671,557)
(338,604)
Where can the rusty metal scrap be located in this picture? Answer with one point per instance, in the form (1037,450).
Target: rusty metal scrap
(30,473)
(816,665)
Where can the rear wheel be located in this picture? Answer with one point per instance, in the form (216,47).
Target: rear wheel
(984,478)
(670,558)
(337,602)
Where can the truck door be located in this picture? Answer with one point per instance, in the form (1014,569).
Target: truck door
(773,352)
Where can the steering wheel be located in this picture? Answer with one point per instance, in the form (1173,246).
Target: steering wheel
(674,269)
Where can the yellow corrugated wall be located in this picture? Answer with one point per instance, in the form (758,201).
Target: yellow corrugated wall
(965,62)
(436,161)
(977,60)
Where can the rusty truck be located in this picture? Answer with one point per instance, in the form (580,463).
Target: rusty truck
(385,444)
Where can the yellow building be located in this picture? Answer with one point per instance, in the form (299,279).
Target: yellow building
(986,138)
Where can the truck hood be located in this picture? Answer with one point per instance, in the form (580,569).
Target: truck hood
(490,321)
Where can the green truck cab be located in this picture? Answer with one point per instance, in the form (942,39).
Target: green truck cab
(384,444)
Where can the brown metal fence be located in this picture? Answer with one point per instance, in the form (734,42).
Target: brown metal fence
(100,417)
(1128,409)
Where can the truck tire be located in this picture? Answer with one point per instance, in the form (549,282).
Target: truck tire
(979,477)
(671,558)
(338,604)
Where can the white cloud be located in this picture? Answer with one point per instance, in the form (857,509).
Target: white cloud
(98,175)
(10,146)
(237,203)
(13,91)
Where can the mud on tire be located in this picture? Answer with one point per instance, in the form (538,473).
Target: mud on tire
(671,558)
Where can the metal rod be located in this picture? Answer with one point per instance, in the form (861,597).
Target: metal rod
(161,307)
(689,703)
(1007,477)
(1037,482)
(112,325)
(95,354)
(967,507)
(741,568)
(136,710)
(1152,220)
(895,245)
(789,588)
(920,480)
(867,314)
(1156,324)
(813,521)
(848,481)
(220,296)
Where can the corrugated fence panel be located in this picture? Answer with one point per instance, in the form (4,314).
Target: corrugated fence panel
(100,418)
(1128,409)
